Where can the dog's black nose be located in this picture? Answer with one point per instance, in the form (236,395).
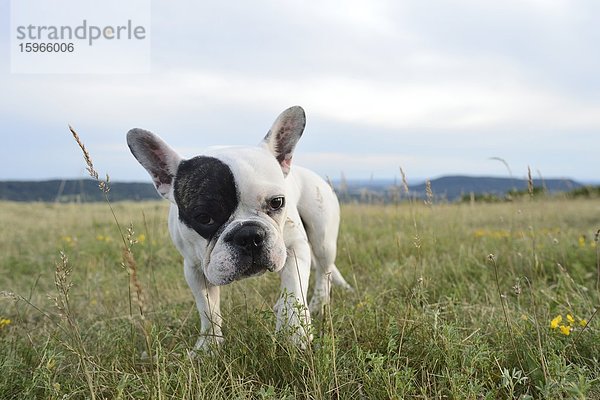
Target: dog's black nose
(249,237)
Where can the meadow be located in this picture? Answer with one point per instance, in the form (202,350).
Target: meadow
(461,301)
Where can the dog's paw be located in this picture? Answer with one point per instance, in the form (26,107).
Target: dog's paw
(293,319)
(346,287)
(206,344)
(317,304)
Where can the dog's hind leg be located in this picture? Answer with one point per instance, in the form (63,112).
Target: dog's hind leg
(326,273)
(320,214)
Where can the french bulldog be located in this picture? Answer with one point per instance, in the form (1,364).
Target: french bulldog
(240,211)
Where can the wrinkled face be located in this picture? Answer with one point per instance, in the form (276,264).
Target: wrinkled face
(231,203)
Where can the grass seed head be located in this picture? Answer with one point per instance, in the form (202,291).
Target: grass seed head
(529,182)
(428,193)
(404,181)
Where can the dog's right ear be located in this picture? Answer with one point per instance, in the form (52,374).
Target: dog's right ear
(283,136)
(159,159)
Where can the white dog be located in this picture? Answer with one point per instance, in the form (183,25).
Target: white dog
(240,211)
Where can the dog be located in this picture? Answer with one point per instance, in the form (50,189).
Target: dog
(238,212)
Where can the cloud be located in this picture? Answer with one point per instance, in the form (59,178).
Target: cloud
(463,80)
(457,66)
(450,105)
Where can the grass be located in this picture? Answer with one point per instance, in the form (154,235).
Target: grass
(451,301)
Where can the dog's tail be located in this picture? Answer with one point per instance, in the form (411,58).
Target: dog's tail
(338,280)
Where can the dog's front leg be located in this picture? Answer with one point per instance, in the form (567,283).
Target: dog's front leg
(207,298)
(291,308)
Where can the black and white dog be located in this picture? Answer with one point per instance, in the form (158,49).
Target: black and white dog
(240,211)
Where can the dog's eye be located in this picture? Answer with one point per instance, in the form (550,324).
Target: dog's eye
(276,203)
(204,219)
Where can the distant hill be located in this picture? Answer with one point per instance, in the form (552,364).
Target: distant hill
(449,188)
(454,187)
(83,190)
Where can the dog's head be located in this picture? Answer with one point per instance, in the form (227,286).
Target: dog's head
(231,201)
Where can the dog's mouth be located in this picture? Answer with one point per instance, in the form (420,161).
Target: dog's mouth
(251,272)
(248,248)
(229,265)
(256,265)
(249,265)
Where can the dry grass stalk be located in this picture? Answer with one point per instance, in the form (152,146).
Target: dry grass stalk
(404,182)
(596,239)
(63,285)
(131,266)
(538,332)
(428,193)
(86,155)
(492,259)
(103,185)
(529,182)
(330,183)
(343,186)
(503,161)
(8,295)
(541,178)
(128,240)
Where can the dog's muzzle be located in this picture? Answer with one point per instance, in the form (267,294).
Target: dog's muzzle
(249,240)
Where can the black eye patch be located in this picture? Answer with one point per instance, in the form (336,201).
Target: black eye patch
(205,193)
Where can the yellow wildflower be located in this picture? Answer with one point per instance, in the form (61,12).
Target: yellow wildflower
(499,234)
(583,323)
(565,330)
(554,323)
(570,319)
(141,238)
(4,322)
(480,233)
(581,241)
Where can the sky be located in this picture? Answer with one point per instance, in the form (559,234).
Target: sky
(435,87)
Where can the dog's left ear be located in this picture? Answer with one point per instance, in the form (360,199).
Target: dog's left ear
(284,134)
(159,159)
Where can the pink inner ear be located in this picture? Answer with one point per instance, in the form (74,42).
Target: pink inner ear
(161,187)
(286,164)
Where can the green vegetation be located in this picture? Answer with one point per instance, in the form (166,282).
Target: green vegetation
(587,192)
(451,301)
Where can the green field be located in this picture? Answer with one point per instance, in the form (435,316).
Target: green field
(451,301)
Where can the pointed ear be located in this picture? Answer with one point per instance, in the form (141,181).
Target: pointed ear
(284,134)
(159,159)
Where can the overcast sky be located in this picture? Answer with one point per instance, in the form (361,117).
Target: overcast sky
(434,87)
